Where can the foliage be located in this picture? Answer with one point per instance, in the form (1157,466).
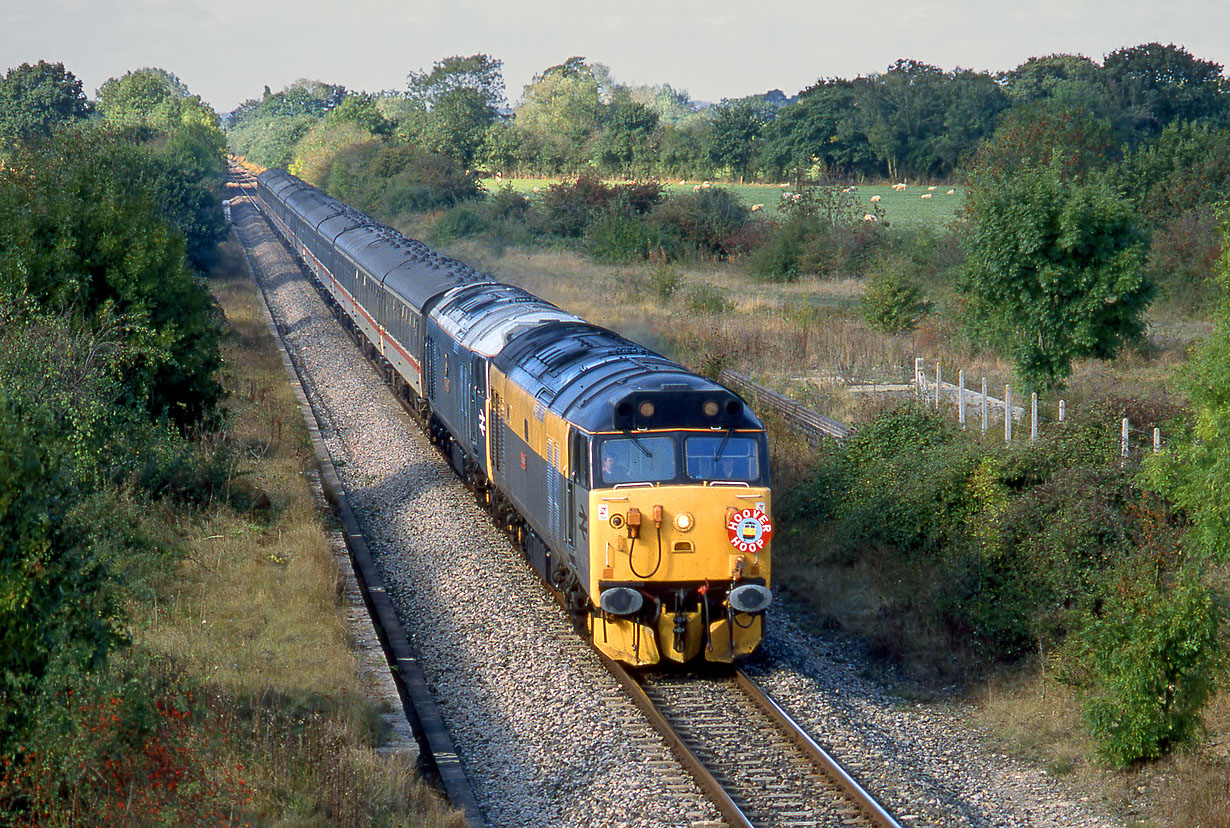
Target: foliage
(1155,650)
(36,99)
(561,110)
(479,73)
(1045,134)
(1196,474)
(82,235)
(567,208)
(735,136)
(703,221)
(824,233)
(1156,85)
(152,97)
(1053,270)
(389,180)
(893,302)
(459,222)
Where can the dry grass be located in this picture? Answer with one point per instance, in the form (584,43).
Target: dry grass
(253,615)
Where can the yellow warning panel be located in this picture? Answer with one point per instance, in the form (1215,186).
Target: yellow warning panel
(625,640)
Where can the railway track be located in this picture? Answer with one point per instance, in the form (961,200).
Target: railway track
(757,765)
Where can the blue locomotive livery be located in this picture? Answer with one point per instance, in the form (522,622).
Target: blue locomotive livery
(637,489)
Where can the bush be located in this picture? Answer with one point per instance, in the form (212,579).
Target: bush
(1154,652)
(703,221)
(615,237)
(458,223)
(567,209)
(708,299)
(893,302)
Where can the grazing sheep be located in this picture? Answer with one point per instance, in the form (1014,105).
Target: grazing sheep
(932,187)
(756,208)
(899,187)
(875,199)
(925,195)
(951,192)
(870,217)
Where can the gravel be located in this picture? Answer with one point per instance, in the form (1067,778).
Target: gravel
(544,733)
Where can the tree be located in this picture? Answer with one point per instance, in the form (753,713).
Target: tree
(1044,133)
(1156,85)
(562,109)
(1038,78)
(480,74)
(627,136)
(153,97)
(1053,270)
(81,233)
(735,140)
(902,111)
(34,100)
(819,136)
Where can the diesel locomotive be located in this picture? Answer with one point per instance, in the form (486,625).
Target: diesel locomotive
(638,489)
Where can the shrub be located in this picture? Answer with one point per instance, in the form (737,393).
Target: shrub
(459,222)
(665,281)
(777,260)
(1154,651)
(566,209)
(893,302)
(703,220)
(617,237)
(708,299)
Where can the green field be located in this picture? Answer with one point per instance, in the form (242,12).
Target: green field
(903,208)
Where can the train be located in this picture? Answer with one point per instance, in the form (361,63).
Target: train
(637,489)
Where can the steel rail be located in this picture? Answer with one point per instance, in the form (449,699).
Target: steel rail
(831,767)
(717,794)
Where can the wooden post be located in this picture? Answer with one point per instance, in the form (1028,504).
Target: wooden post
(1157,440)
(1033,417)
(919,379)
(961,397)
(939,384)
(1061,411)
(984,405)
(1007,413)
(1123,441)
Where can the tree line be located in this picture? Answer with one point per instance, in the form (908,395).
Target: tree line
(913,121)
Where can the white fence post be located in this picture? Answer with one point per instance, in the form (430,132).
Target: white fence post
(919,379)
(1062,411)
(1123,441)
(984,405)
(939,384)
(1157,440)
(1033,417)
(1007,413)
(961,397)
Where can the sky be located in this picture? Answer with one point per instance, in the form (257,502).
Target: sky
(229,50)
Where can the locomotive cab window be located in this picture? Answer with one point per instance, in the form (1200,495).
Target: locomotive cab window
(637,460)
(721,458)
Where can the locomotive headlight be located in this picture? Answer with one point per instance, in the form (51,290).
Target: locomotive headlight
(621,601)
(646,409)
(684,521)
(711,408)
